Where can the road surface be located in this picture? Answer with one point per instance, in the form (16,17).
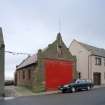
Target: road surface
(93,97)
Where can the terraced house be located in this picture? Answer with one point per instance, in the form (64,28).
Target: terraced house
(90,61)
(2,49)
(48,69)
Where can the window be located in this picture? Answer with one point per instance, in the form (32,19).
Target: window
(19,75)
(79,75)
(29,74)
(104,61)
(23,74)
(98,61)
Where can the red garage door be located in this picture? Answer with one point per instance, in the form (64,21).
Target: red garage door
(57,73)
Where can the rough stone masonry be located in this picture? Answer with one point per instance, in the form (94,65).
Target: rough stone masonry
(2,54)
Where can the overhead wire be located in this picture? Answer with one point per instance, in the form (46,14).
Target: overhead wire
(15,53)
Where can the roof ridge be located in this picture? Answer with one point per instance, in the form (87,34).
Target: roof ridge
(93,50)
(90,45)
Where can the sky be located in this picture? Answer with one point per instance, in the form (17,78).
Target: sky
(29,25)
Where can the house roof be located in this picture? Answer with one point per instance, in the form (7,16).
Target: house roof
(93,50)
(1,36)
(28,61)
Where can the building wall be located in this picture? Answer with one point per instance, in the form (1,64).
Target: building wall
(86,63)
(1,70)
(99,68)
(2,57)
(82,59)
(55,51)
(26,76)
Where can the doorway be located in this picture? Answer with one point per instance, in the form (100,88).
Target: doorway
(97,78)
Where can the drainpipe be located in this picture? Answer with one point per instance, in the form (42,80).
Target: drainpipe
(89,67)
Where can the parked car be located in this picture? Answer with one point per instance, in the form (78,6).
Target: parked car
(77,86)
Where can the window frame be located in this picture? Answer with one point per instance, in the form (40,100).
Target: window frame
(98,61)
(104,61)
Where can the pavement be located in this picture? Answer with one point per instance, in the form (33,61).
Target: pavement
(12,91)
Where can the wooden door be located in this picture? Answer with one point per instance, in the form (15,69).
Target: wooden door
(97,78)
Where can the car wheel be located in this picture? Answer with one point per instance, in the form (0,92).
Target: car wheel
(63,91)
(88,88)
(73,89)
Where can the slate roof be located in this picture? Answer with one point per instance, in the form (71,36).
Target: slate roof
(28,61)
(93,50)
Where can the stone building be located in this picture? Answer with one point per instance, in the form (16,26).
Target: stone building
(48,69)
(2,49)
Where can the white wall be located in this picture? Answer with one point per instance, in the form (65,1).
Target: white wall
(98,68)
(82,58)
(86,63)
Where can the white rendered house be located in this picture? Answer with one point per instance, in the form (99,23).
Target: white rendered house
(90,62)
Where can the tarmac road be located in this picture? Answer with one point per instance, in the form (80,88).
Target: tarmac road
(93,97)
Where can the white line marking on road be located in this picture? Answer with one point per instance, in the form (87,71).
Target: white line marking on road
(9,98)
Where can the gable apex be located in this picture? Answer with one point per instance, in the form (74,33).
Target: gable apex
(59,37)
(57,50)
